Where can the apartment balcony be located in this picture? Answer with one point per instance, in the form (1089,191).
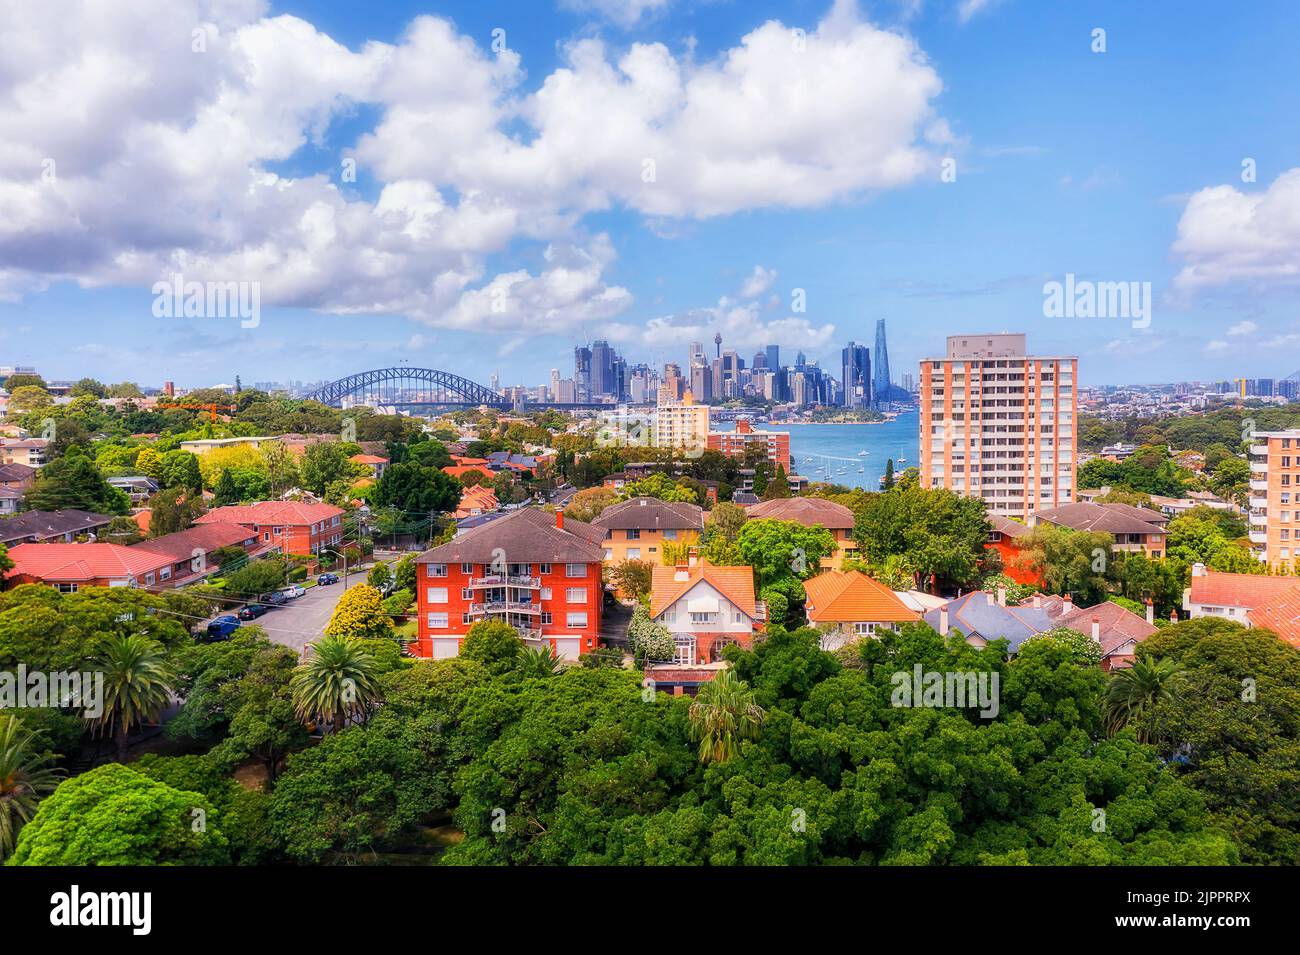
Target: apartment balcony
(1259,485)
(1258,503)
(503,606)
(1259,449)
(1258,537)
(1258,520)
(506,580)
(1259,467)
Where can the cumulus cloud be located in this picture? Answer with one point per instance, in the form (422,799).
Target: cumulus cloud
(127,155)
(741,325)
(757,282)
(1246,327)
(1227,236)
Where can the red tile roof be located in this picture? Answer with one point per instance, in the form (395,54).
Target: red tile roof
(1238,590)
(200,539)
(528,535)
(278,513)
(853,597)
(1281,615)
(734,583)
(368,459)
(1117,626)
(83,562)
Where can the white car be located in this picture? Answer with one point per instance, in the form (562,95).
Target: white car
(293,592)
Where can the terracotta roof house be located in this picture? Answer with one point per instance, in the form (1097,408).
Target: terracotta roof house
(69,567)
(534,570)
(1118,630)
(479,499)
(1006,538)
(1281,614)
(1133,528)
(706,608)
(1234,596)
(811,511)
(636,529)
(39,527)
(853,606)
(376,463)
(290,527)
(190,551)
(460,470)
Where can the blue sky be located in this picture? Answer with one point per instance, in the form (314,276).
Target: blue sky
(1117,166)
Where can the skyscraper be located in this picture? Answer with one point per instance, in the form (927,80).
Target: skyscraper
(774,357)
(602,369)
(856,362)
(582,373)
(998,424)
(880,380)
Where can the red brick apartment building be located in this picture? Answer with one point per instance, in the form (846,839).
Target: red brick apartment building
(531,569)
(734,444)
(290,527)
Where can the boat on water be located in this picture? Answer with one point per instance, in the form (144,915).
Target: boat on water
(861,453)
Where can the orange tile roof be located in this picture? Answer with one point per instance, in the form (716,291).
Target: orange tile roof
(853,597)
(460,470)
(734,583)
(290,513)
(1239,590)
(1281,615)
(81,562)
(368,459)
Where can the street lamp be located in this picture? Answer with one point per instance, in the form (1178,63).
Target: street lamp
(326,550)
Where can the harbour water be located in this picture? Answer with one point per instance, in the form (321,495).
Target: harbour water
(836,447)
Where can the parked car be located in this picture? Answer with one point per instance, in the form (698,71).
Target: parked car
(293,592)
(324,580)
(221,628)
(253,611)
(274,599)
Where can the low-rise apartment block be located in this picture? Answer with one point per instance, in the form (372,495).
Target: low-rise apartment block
(1274,511)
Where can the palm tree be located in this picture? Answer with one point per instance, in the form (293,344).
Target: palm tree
(25,777)
(338,681)
(137,683)
(723,714)
(1134,691)
(541,661)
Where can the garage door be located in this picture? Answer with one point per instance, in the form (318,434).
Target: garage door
(442,649)
(568,648)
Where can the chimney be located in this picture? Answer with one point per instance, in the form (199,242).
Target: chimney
(943,621)
(1067,605)
(1038,601)
(1096,629)
(1002,595)
(1198,569)
(1173,616)
(559,519)
(1151,612)
(988,598)
(692,556)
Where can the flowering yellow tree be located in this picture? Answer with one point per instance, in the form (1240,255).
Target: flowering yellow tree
(360,613)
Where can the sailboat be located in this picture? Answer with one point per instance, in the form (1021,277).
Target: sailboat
(861,453)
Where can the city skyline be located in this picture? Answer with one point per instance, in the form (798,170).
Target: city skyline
(436,183)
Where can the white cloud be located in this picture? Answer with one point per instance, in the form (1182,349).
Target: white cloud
(163,157)
(757,282)
(967,9)
(1227,236)
(624,13)
(741,325)
(1217,347)
(1245,327)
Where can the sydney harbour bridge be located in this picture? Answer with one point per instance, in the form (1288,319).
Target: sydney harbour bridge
(420,389)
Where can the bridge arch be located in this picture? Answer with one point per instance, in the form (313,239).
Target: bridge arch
(403,385)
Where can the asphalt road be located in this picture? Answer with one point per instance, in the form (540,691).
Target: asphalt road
(299,622)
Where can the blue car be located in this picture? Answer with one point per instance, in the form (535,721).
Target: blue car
(324,580)
(222,628)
